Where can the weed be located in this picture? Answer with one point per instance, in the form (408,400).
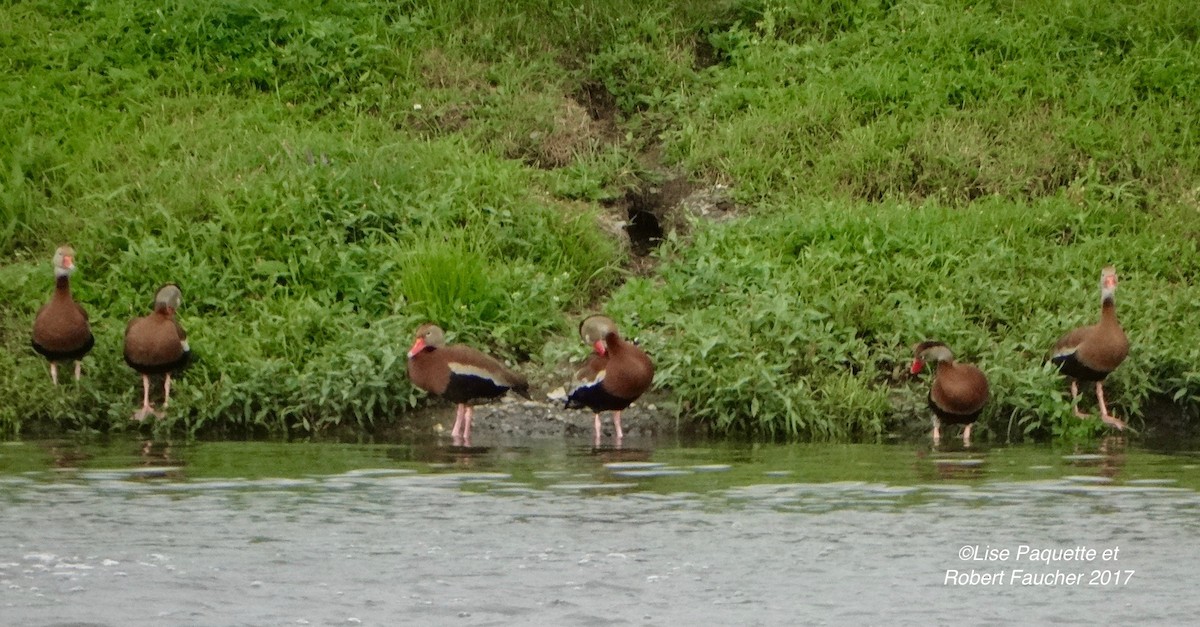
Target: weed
(322,177)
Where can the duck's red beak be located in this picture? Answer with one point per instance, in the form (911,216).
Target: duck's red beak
(600,347)
(917,364)
(68,262)
(417,347)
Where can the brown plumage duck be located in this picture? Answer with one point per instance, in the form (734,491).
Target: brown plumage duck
(1092,352)
(459,374)
(615,375)
(156,344)
(60,330)
(959,390)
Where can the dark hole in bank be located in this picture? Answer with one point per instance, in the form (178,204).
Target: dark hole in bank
(644,230)
(646,209)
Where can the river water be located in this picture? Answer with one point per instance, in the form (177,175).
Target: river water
(555,532)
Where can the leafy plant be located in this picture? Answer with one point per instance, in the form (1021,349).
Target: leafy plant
(320,178)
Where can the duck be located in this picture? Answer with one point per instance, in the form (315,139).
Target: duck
(61,332)
(1091,353)
(615,375)
(959,390)
(157,344)
(459,374)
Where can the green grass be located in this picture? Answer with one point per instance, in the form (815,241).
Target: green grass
(320,179)
(801,323)
(950,101)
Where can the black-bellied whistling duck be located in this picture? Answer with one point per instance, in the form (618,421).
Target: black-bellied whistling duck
(459,374)
(615,375)
(156,344)
(60,330)
(1091,353)
(959,390)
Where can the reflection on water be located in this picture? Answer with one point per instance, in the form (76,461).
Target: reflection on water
(551,532)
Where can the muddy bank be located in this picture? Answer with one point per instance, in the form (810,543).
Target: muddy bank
(516,418)
(520,418)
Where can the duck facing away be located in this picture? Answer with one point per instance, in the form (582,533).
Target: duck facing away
(459,374)
(60,331)
(1092,352)
(156,344)
(959,390)
(615,375)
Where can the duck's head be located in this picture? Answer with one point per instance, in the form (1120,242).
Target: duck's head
(64,261)
(1108,284)
(429,336)
(929,350)
(168,298)
(595,330)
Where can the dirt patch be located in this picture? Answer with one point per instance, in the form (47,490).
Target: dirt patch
(1171,424)
(440,70)
(601,107)
(705,54)
(710,202)
(649,213)
(538,419)
(572,132)
(582,122)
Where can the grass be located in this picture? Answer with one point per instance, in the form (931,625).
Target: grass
(320,179)
(800,324)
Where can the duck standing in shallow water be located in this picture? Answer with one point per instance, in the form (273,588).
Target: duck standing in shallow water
(156,344)
(615,375)
(959,390)
(1093,352)
(459,374)
(60,331)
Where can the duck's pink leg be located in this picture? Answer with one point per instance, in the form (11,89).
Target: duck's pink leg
(596,427)
(78,370)
(146,410)
(166,390)
(458,420)
(1104,415)
(617,425)
(166,396)
(937,431)
(967,436)
(54,372)
(467,417)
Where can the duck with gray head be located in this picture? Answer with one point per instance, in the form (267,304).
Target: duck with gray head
(615,375)
(1091,353)
(959,390)
(157,344)
(459,374)
(60,331)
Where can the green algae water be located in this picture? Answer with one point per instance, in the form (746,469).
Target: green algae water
(137,532)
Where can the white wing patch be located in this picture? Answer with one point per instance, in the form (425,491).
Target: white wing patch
(587,383)
(185,346)
(473,371)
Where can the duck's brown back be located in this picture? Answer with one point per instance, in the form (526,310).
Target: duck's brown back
(1099,347)
(959,389)
(629,371)
(154,341)
(460,372)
